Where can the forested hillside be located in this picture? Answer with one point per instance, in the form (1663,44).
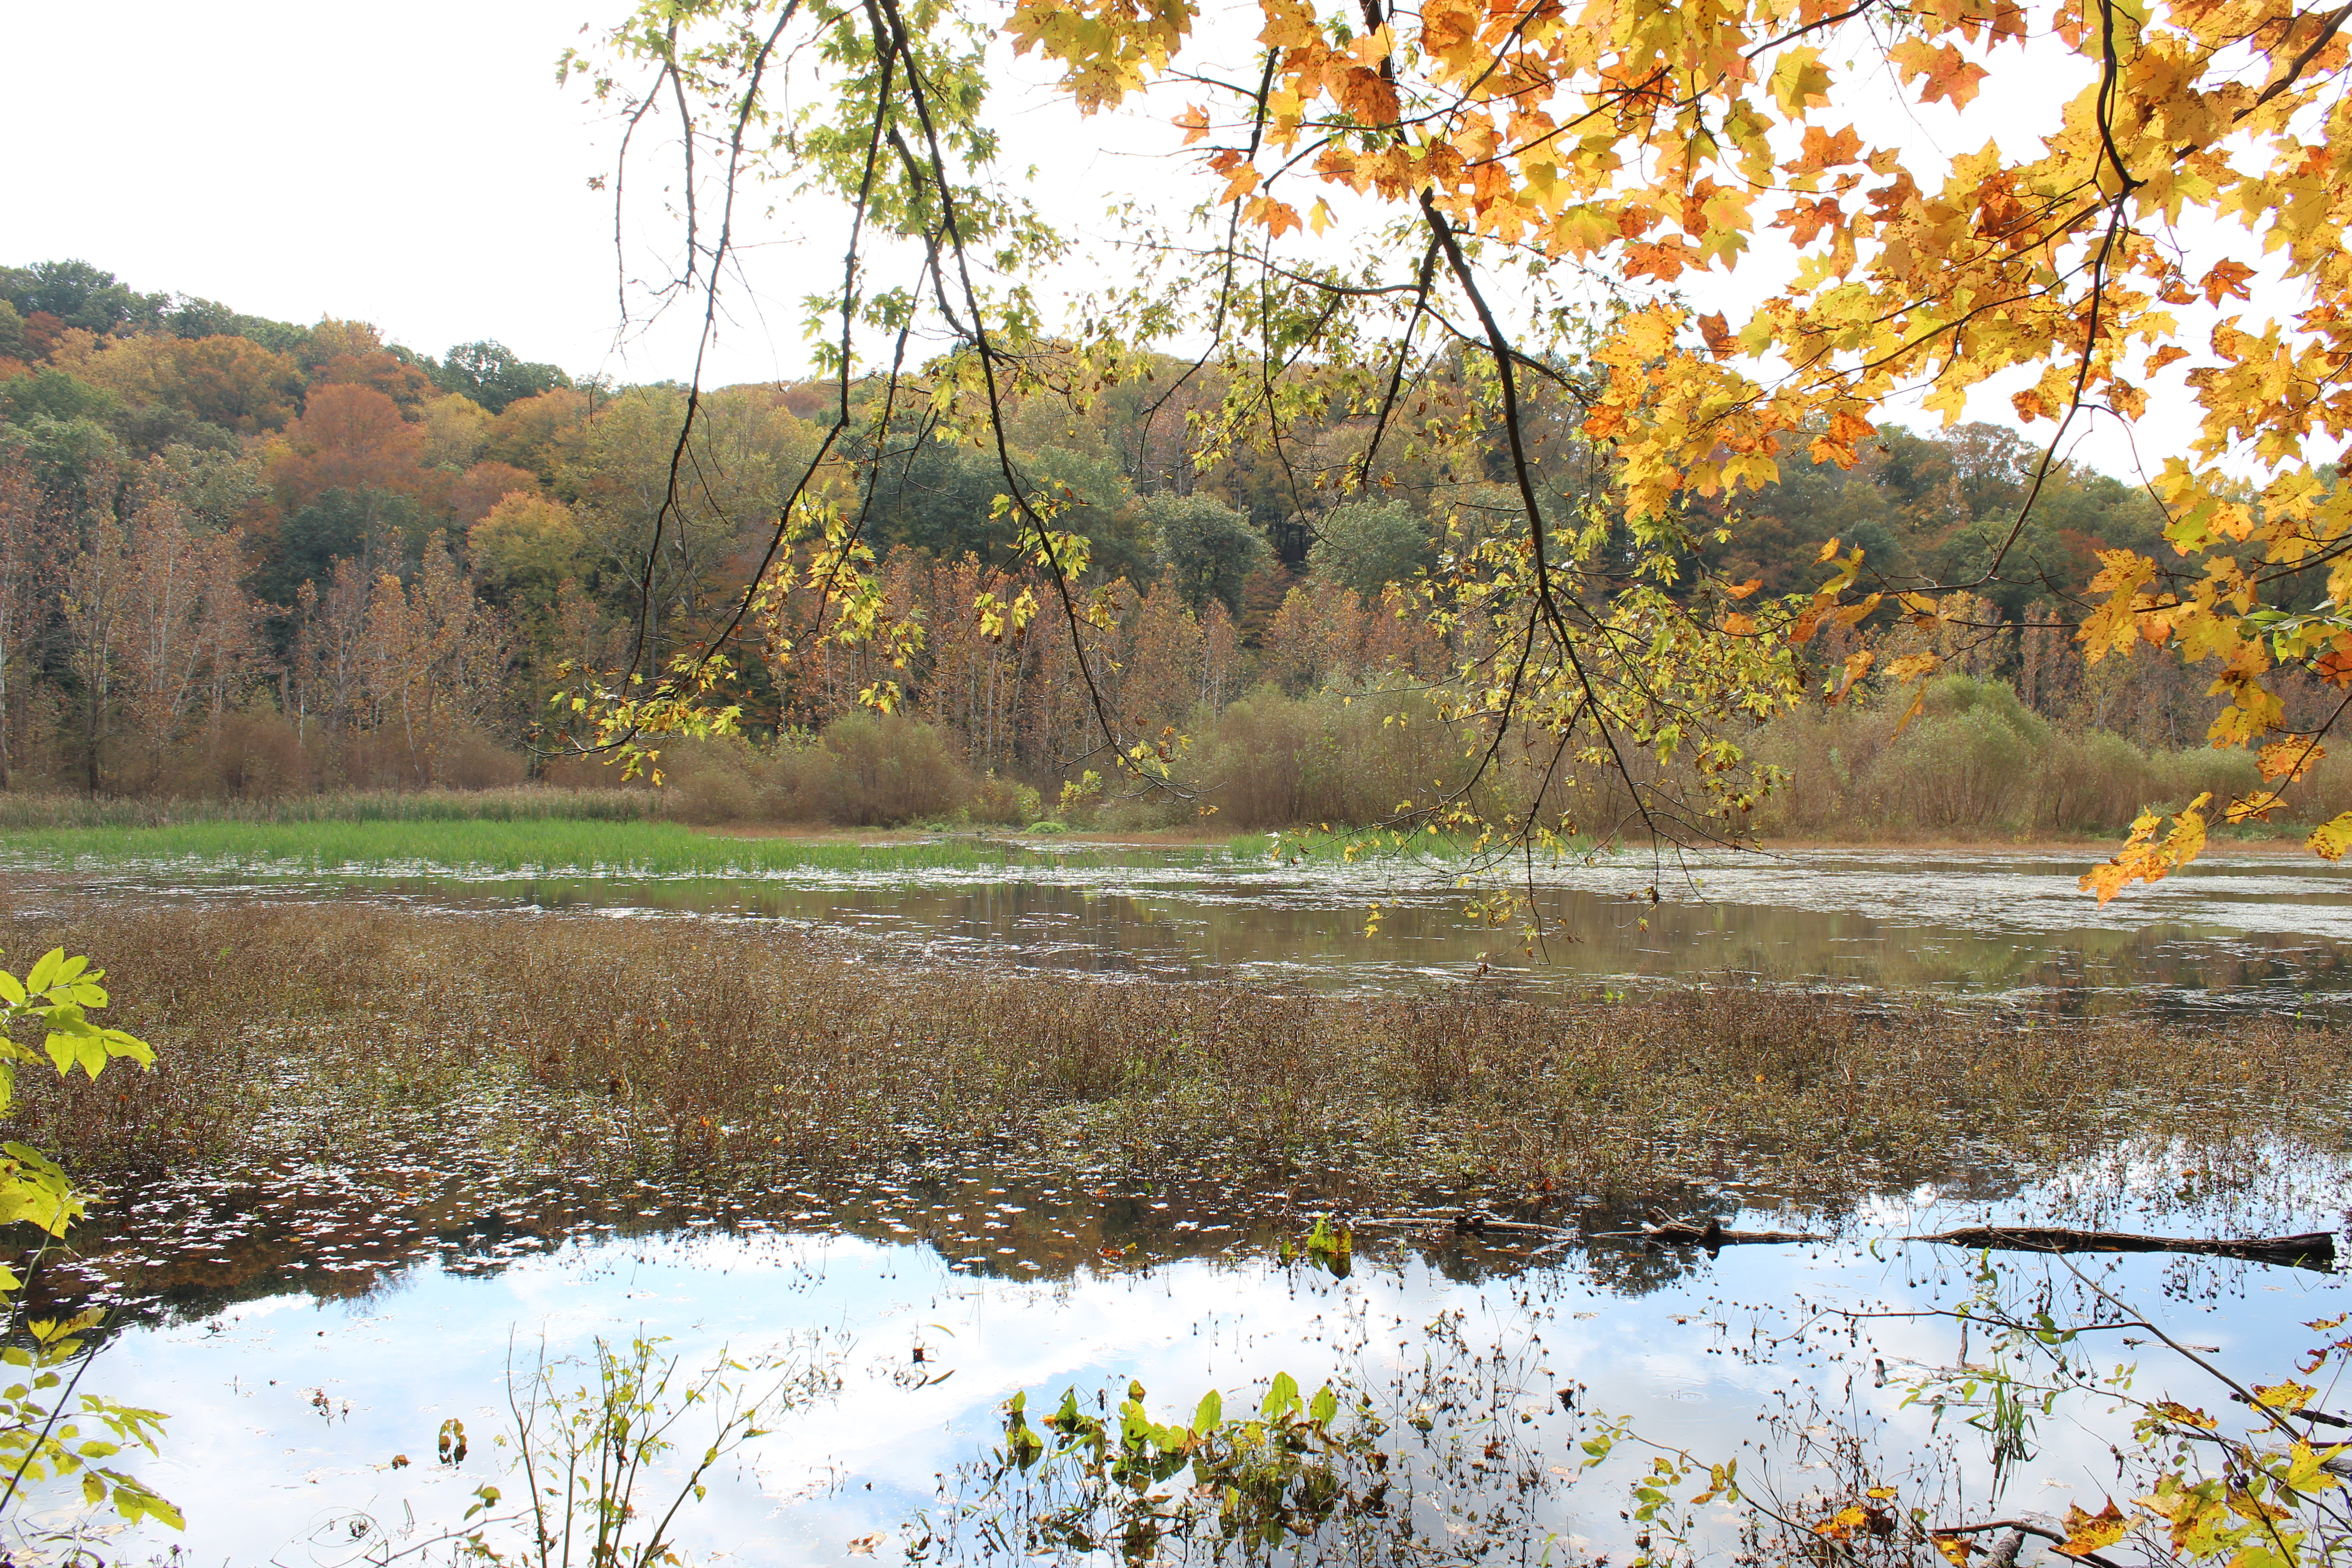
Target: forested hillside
(246,557)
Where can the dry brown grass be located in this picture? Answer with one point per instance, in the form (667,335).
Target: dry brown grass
(748,1055)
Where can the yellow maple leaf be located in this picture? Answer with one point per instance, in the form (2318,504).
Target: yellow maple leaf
(2090,1532)
(2287,1395)
(1843,1523)
(2145,858)
(2331,838)
(2289,760)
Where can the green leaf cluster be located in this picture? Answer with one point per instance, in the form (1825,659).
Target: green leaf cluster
(50,1433)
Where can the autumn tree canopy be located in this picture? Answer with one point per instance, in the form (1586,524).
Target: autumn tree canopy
(1475,222)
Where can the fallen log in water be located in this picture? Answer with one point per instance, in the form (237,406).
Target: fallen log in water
(1683,1232)
(2314,1251)
(1469,1222)
(1668,1232)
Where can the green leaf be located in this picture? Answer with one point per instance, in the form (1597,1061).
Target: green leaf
(45,972)
(11,990)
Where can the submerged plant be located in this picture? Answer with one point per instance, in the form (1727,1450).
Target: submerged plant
(1331,1248)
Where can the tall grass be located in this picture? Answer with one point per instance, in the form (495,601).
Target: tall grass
(757,1056)
(1977,762)
(22,812)
(544,846)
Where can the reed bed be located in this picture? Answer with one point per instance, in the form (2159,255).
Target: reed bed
(22,811)
(546,846)
(749,1056)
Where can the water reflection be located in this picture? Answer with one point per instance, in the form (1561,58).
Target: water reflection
(289,1408)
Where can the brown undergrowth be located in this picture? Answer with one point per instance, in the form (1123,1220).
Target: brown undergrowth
(748,1054)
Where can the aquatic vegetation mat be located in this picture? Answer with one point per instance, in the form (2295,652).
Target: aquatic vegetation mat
(341,1087)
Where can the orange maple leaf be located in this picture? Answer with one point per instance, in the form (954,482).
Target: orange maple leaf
(2227,278)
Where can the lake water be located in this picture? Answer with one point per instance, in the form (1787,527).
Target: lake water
(934,1298)
(2233,931)
(305,1333)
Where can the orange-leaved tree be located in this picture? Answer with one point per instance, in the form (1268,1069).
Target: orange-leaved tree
(1473,230)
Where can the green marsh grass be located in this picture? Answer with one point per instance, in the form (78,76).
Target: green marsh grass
(546,846)
(1335,844)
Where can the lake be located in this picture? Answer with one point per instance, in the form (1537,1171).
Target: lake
(2235,930)
(310,1346)
(933,1299)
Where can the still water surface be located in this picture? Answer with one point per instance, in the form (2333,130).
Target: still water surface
(302,1338)
(290,1403)
(2234,931)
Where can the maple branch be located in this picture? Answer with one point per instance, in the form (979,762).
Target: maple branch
(685,135)
(1404,354)
(2074,402)
(679,451)
(2295,68)
(1226,283)
(620,177)
(2272,793)
(777,537)
(2110,77)
(894,36)
(1499,346)
(1795,33)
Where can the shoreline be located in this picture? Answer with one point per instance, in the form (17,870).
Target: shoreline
(2285,845)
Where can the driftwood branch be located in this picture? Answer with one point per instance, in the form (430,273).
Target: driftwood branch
(1687,1233)
(2319,1416)
(2006,1552)
(2314,1251)
(1664,1231)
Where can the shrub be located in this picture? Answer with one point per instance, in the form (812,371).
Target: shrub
(882,769)
(472,759)
(887,768)
(1001,801)
(717,779)
(2180,777)
(254,756)
(2094,782)
(1345,754)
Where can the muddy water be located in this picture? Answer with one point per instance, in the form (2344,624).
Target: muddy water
(2234,931)
(1487,1360)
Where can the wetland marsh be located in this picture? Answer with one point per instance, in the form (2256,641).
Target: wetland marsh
(2240,930)
(415,1126)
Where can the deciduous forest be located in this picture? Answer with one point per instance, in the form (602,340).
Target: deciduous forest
(242,558)
(1397,556)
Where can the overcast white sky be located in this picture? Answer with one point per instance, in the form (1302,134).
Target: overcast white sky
(414,166)
(419,168)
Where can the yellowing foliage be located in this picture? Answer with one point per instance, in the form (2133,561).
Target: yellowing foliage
(1502,147)
(1647,138)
